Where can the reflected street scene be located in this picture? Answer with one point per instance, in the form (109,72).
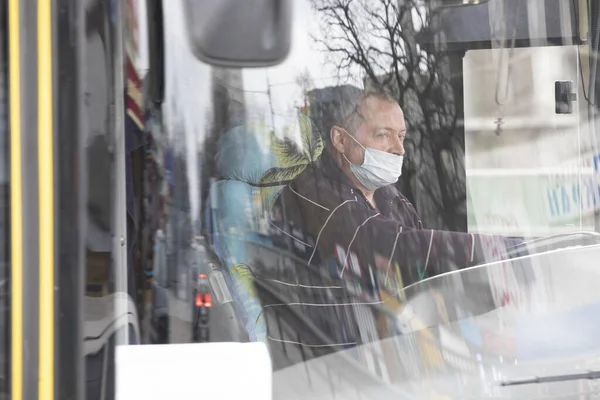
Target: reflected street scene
(404,207)
(393,199)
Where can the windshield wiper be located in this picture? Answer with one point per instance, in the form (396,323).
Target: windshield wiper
(554,378)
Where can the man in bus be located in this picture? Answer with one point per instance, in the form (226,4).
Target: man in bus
(350,213)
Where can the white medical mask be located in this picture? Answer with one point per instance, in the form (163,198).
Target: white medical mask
(379,168)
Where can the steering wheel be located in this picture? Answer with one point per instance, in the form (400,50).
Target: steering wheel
(520,247)
(439,306)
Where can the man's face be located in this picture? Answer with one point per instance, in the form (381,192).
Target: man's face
(382,128)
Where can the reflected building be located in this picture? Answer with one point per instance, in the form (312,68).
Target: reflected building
(229,111)
(228,99)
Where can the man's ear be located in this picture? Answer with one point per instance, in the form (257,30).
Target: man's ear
(338,138)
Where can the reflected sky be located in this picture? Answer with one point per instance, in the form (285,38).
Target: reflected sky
(188,87)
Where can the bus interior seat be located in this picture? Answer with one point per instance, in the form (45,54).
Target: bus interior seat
(233,215)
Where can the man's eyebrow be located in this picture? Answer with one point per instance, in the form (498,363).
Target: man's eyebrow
(401,131)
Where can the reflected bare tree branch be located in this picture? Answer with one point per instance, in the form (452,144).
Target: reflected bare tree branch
(379,40)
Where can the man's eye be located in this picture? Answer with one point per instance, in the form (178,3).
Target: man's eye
(382,134)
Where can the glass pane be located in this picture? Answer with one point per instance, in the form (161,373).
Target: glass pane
(434,161)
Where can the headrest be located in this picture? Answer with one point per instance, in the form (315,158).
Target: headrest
(253,154)
(243,153)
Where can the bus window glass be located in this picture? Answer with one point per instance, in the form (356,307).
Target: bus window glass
(378,205)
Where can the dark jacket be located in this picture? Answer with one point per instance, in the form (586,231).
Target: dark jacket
(331,222)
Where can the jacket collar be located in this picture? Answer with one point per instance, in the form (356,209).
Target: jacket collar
(332,171)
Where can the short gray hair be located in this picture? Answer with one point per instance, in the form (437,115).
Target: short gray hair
(350,115)
(341,106)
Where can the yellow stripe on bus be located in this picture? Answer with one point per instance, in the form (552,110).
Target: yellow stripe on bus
(46,201)
(16,210)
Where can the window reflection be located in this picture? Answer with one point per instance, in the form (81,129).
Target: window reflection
(100,324)
(228,151)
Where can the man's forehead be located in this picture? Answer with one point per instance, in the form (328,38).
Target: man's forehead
(382,111)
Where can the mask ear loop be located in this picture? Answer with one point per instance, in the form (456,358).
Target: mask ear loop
(358,143)
(346,158)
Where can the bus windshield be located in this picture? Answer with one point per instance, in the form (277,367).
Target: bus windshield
(389,209)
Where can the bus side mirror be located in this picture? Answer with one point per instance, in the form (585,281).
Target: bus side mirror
(239,33)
